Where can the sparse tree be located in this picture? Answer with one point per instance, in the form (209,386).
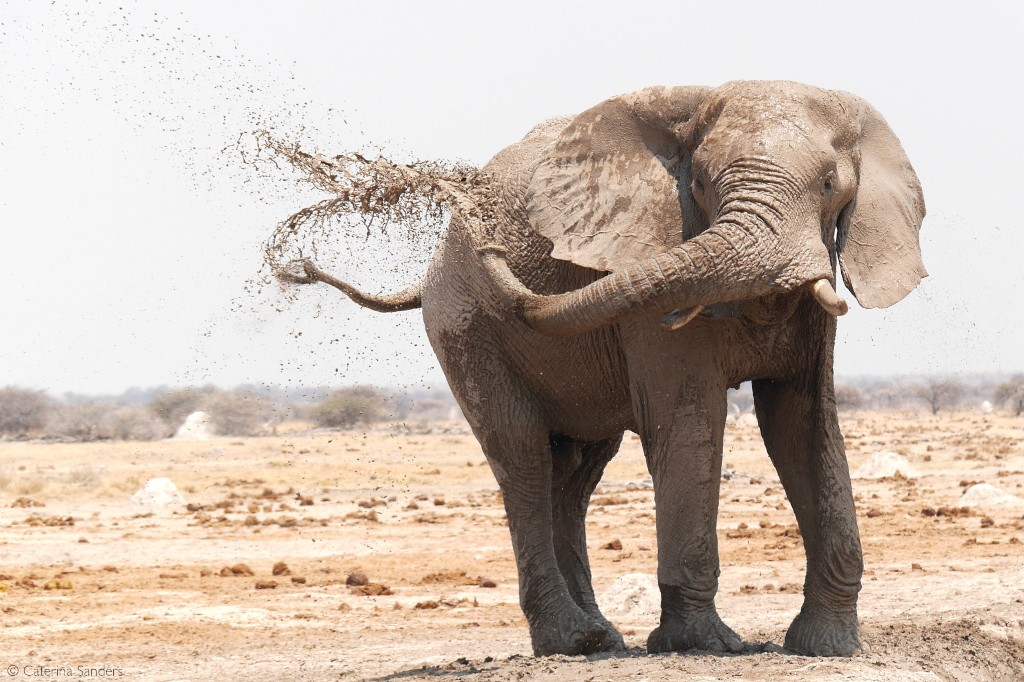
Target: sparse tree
(1011,393)
(80,421)
(940,394)
(238,413)
(22,410)
(173,406)
(130,422)
(350,406)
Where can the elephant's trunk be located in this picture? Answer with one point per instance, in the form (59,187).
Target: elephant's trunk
(742,256)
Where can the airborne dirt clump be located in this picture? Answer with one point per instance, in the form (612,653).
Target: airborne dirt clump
(942,598)
(417,198)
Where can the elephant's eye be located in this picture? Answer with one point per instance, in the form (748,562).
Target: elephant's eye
(698,185)
(828,184)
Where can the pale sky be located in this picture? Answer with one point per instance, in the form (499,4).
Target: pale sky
(129,235)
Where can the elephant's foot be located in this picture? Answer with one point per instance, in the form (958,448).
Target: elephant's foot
(572,634)
(702,630)
(814,633)
(612,640)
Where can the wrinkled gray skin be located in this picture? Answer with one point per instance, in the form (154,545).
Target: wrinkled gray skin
(552,339)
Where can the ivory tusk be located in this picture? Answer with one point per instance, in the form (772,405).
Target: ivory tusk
(828,299)
(677,319)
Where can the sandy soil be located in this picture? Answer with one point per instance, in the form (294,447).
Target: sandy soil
(90,580)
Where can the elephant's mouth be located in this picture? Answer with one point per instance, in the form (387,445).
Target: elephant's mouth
(821,289)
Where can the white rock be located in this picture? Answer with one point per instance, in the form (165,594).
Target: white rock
(197,426)
(885,465)
(985,496)
(158,492)
(986,407)
(634,596)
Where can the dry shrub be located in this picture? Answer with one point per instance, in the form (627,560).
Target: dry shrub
(343,410)
(22,410)
(233,413)
(173,406)
(84,476)
(1011,393)
(104,421)
(76,422)
(131,422)
(849,398)
(238,413)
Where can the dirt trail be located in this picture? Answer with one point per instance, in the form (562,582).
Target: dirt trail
(89,580)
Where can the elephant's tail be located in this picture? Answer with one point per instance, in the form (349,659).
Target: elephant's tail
(409,299)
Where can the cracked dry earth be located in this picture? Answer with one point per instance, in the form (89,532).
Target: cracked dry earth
(251,578)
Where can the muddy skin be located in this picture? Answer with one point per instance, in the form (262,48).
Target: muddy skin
(726,210)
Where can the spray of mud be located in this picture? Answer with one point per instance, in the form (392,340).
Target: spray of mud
(378,195)
(133,80)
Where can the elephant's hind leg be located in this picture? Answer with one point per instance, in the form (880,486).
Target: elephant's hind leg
(577,468)
(517,446)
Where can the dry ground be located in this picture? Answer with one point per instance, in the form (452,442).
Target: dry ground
(89,580)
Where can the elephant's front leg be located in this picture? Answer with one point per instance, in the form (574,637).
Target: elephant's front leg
(801,433)
(681,427)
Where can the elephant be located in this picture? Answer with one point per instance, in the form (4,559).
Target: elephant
(648,254)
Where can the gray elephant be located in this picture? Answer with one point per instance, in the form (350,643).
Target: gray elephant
(649,254)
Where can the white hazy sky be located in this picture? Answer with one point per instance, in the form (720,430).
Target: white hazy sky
(129,232)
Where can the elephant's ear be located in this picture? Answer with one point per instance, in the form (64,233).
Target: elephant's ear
(614,187)
(878,236)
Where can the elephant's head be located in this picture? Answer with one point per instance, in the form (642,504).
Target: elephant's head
(692,196)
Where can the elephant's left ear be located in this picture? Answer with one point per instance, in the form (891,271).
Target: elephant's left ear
(614,187)
(878,236)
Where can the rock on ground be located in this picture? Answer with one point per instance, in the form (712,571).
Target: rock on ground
(634,596)
(158,492)
(985,496)
(197,426)
(886,464)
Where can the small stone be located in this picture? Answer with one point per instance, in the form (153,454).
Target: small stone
(356,579)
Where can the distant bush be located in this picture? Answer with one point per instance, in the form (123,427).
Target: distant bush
(350,406)
(940,394)
(849,398)
(430,409)
(22,410)
(232,413)
(238,413)
(173,406)
(1011,393)
(76,422)
(130,422)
